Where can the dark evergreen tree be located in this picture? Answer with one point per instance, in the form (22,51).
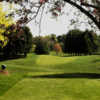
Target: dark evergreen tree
(78,42)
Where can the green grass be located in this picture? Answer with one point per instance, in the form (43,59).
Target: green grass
(17,69)
(53,60)
(47,77)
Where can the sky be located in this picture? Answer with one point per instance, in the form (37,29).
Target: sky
(61,25)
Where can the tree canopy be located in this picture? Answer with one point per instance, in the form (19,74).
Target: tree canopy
(4,23)
(18,44)
(79,42)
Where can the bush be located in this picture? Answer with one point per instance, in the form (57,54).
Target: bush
(41,47)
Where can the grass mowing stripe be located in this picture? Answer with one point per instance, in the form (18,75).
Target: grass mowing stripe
(16,72)
(78,79)
(54,89)
(45,60)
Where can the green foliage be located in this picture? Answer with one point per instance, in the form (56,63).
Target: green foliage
(49,40)
(33,48)
(79,42)
(19,43)
(4,23)
(91,41)
(53,38)
(28,39)
(98,42)
(41,46)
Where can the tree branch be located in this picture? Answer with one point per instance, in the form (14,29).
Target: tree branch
(84,11)
(89,5)
(35,15)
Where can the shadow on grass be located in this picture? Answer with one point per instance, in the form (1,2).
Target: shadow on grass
(67,56)
(69,75)
(2,58)
(96,61)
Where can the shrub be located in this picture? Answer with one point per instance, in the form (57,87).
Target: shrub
(41,47)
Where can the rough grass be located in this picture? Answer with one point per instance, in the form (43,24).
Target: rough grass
(48,77)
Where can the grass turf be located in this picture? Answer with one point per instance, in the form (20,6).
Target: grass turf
(48,77)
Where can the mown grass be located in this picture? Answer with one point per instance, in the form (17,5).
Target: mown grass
(17,69)
(48,77)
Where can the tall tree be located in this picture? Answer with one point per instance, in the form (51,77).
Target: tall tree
(81,42)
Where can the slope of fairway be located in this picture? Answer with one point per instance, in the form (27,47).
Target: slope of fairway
(64,78)
(46,60)
(17,69)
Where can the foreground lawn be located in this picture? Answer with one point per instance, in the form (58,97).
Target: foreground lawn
(48,77)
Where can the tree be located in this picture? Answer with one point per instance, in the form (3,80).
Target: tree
(73,42)
(90,8)
(57,48)
(4,23)
(78,42)
(27,13)
(91,41)
(61,40)
(51,41)
(19,43)
(27,36)
(41,46)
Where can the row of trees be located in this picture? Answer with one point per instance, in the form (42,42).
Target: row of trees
(74,42)
(79,42)
(43,45)
(13,37)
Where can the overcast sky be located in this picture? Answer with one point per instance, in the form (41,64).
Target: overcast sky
(58,26)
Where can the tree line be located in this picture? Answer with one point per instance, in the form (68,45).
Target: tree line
(75,42)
